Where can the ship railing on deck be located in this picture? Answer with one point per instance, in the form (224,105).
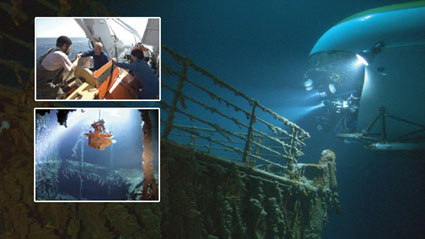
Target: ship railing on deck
(224,118)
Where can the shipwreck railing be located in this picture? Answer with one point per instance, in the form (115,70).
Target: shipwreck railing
(218,110)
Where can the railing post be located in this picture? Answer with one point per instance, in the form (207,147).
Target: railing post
(257,150)
(384,128)
(291,163)
(192,140)
(248,143)
(176,98)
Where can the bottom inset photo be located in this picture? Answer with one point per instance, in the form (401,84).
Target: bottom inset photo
(96,155)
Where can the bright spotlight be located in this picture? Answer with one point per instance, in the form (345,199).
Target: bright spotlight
(365,18)
(45,143)
(361,60)
(345,104)
(313,95)
(308,84)
(322,104)
(332,88)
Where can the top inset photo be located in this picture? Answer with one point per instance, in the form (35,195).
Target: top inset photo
(98,58)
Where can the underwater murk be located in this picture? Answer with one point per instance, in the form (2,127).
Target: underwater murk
(89,154)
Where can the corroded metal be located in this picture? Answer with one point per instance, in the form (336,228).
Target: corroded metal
(176,98)
(150,190)
(290,144)
(249,137)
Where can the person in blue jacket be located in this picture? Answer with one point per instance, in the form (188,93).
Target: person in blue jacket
(143,74)
(100,58)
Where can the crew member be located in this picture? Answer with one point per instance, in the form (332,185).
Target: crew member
(100,58)
(51,67)
(143,75)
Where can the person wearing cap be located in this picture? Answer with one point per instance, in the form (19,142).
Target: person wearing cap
(50,69)
(143,75)
(100,58)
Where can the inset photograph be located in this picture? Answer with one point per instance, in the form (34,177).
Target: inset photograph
(96,155)
(107,58)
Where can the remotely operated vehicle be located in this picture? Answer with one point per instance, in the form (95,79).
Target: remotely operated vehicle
(368,72)
(99,139)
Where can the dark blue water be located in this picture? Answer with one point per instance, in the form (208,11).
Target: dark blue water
(262,49)
(79,44)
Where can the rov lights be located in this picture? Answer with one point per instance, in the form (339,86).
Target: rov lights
(361,61)
(308,84)
(332,88)
(323,94)
(345,104)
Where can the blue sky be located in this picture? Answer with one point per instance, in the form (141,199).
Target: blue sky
(54,27)
(57,26)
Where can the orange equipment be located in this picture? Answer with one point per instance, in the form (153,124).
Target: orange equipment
(99,139)
(113,82)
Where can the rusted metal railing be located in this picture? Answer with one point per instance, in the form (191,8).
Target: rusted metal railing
(285,138)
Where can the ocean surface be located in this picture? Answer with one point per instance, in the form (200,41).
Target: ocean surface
(79,44)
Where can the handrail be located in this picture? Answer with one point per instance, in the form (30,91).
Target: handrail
(287,136)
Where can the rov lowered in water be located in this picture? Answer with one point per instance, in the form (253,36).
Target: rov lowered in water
(99,139)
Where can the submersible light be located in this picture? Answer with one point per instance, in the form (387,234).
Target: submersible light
(322,104)
(315,94)
(332,88)
(308,84)
(360,61)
